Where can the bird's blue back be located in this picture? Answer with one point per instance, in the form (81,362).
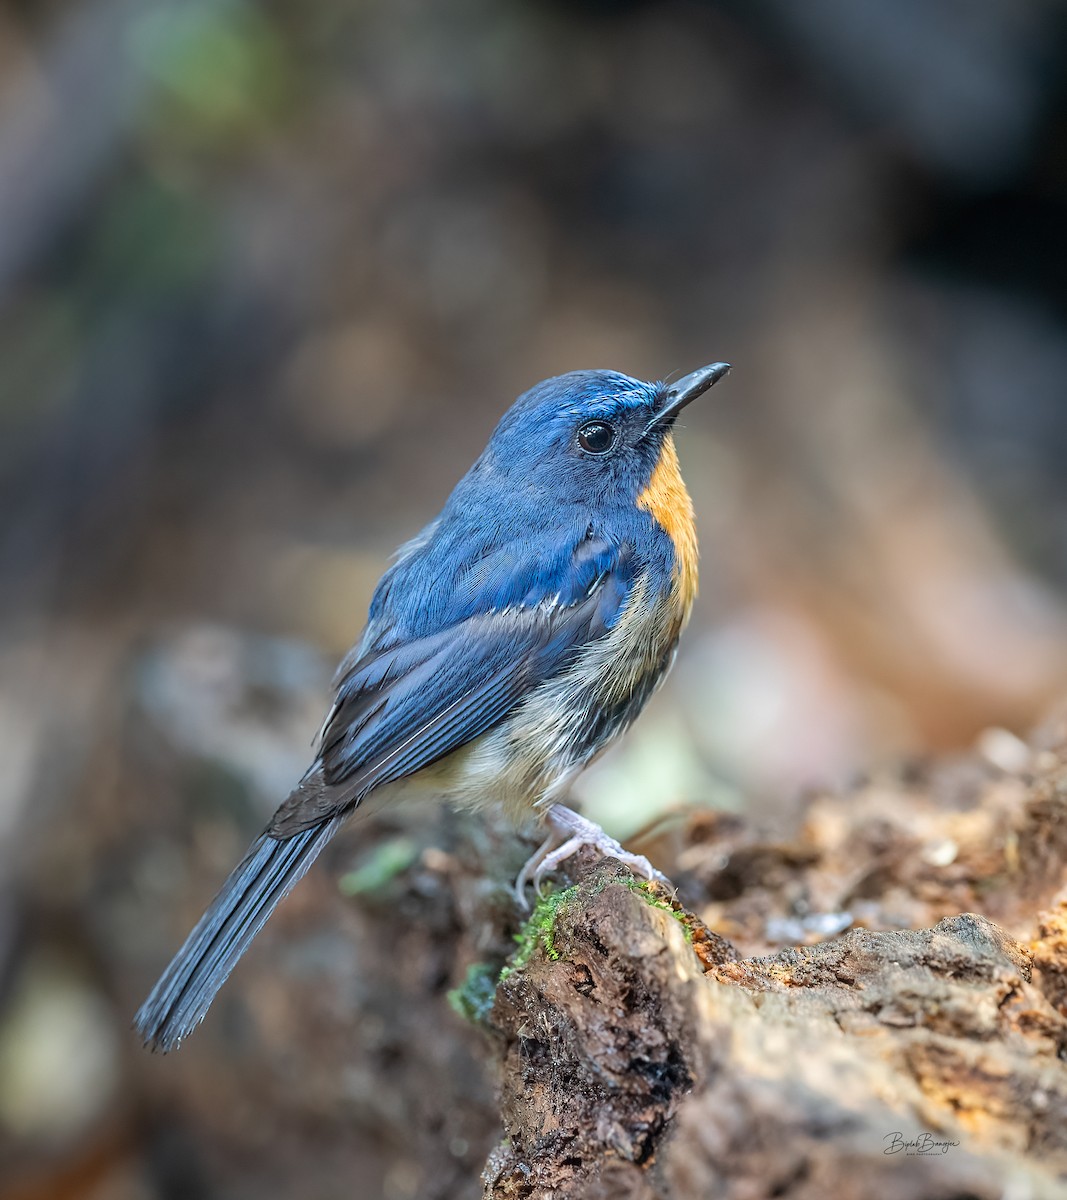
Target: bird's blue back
(528,522)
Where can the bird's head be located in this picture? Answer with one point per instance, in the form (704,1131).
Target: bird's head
(591,435)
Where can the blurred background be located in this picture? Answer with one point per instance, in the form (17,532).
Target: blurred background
(269,274)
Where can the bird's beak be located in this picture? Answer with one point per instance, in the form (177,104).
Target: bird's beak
(679,394)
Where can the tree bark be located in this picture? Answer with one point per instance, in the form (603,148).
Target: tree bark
(642,1056)
(906,1063)
(880,1010)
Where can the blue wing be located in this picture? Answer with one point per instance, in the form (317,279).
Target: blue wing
(460,631)
(450,664)
(403,704)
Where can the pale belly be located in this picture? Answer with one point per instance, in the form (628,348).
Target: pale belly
(530,759)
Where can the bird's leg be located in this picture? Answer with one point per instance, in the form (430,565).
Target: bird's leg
(569,833)
(579,831)
(530,866)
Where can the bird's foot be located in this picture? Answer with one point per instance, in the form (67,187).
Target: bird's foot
(569,833)
(529,869)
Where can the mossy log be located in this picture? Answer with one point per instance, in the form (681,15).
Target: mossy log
(909,1063)
(856,1036)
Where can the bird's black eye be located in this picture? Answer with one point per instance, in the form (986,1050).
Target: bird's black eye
(597,437)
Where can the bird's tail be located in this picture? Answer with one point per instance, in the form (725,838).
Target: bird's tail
(263,878)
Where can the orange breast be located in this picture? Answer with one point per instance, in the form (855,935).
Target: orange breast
(668,501)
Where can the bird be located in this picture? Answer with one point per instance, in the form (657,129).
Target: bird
(505,647)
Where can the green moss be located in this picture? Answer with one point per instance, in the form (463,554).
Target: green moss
(473,999)
(648,891)
(539,931)
(384,864)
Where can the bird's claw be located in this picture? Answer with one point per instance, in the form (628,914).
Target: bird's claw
(577,832)
(531,867)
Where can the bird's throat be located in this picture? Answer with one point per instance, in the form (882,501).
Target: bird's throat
(667,500)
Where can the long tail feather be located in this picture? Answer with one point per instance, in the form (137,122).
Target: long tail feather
(263,878)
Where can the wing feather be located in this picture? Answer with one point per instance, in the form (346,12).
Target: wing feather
(402,709)
(418,686)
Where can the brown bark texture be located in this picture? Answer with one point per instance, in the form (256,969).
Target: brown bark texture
(904,1063)
(642,1056)
(865,998)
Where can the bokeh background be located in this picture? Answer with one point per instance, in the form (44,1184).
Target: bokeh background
(269,273)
